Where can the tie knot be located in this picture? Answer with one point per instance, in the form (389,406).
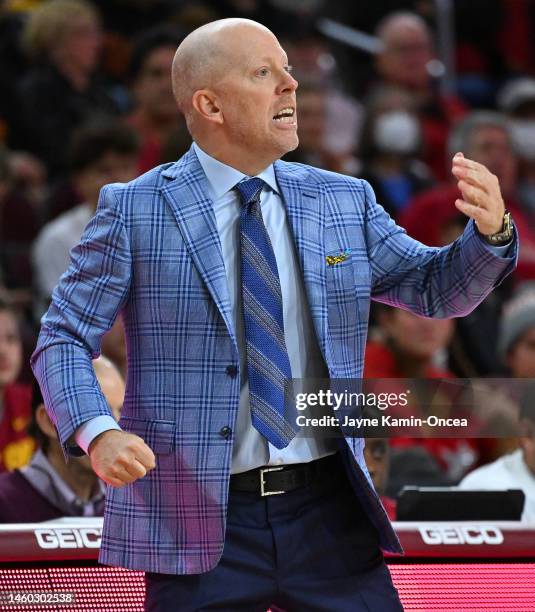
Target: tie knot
(250,189)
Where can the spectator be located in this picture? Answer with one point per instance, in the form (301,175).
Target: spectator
(155,116)
(23,188)
(517,469)
(13,63)
(49,488)
(320,89)
(405,61)
(377,457)
(16,446)
(64,88)
(485,137)
(409,346)
(315,147)
(517,99)
(103,151)
(516,340)
(390,144)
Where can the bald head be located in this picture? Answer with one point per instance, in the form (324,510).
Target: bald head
(205,55)
(400,24)
(233,84)
(406,52)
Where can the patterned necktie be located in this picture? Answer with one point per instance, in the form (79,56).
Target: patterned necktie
(272,410)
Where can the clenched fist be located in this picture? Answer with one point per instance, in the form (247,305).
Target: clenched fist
(119,457)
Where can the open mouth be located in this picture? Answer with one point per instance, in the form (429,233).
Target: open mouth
(286,115)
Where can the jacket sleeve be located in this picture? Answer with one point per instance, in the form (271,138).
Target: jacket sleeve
(84,306)
(434,282)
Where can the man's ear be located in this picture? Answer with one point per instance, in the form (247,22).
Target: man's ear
(206,104)
(44,422)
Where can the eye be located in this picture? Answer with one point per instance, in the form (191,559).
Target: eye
(262,72)
(289,69)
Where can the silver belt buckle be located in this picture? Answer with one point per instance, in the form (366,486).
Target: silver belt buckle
(263,492)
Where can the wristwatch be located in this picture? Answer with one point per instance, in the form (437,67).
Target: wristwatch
(504,235)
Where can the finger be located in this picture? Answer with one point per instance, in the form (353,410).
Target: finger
(136,469)
(473,195)
(113,482)
(478,178)
(469,163)
(121,474)
(476,213)
(110,478)
(145,456)
(474,177)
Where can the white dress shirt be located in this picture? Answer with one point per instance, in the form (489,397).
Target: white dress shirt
(507,472)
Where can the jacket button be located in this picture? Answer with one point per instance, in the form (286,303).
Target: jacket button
(225,432)
(232,371)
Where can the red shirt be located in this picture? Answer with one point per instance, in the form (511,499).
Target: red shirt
(16,446)
(380,362)
(425,218)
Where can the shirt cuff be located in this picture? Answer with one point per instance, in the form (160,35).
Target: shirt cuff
(499,250)
(87,432)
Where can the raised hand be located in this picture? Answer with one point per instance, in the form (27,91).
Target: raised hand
(482,199)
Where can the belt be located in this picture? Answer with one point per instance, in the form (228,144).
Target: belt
(278,479)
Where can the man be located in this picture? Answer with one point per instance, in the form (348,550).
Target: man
(517,100)
(377,457)
(404,60)
(102,151)
(16,446)
(209,353)
(516,339)
(154,116)
(515,470)
(48,488)
(485,137)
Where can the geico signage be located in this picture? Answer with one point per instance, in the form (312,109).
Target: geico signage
(67,537)
(469,534)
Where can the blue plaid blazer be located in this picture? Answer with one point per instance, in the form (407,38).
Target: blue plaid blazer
(152,253)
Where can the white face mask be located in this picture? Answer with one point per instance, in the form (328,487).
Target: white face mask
(523,131)
(397,132)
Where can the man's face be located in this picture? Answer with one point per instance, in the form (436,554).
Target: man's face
(153,91)
(83,42)
(408,49)
(10,349)
(255,89)
(521,358)
(491,146)
(415,336)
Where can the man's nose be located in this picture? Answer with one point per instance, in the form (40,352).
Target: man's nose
(288,83)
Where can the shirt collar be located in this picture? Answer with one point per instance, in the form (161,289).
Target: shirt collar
(223,178)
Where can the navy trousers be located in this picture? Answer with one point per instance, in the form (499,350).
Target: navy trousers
(309,550)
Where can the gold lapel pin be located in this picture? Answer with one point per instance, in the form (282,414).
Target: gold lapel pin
(335,259)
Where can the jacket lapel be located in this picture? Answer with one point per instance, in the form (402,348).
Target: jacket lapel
(194,213)
(302,201)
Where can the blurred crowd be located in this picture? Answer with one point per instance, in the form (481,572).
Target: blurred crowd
(86,100)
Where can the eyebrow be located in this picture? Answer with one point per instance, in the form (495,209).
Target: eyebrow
(269,59)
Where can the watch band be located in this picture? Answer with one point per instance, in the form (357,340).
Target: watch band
(504,235)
